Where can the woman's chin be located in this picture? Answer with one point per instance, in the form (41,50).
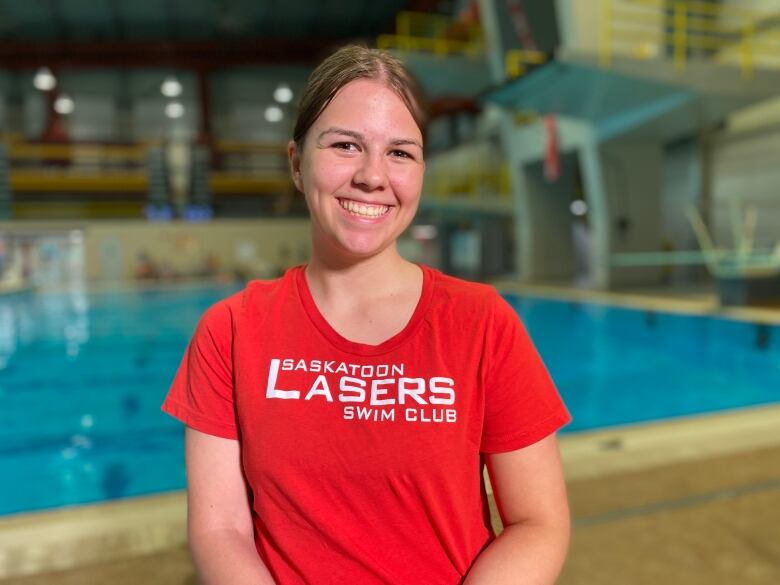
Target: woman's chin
(363,247)
(353,244)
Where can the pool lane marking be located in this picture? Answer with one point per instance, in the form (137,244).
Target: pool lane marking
(676,504)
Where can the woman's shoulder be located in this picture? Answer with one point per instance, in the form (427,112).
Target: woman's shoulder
(255,293)
(454,289)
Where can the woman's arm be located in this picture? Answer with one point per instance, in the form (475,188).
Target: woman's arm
(219,520)
(531,495)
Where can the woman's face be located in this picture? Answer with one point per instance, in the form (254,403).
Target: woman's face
(361,170)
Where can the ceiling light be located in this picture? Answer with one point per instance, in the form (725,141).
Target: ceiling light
(171,87)
(283,94)
(578,207)
(174,110)
(64,104)
(44,79)
(274,114)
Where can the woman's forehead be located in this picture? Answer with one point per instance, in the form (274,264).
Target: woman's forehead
(368,104)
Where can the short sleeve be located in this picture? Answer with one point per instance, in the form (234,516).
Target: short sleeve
(201,395)
(522,405)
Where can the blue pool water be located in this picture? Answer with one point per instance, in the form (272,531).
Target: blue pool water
(82,377)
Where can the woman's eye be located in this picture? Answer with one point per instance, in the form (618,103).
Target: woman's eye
(348,146)
(401,154)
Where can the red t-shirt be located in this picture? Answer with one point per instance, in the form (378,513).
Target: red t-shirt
(364,461)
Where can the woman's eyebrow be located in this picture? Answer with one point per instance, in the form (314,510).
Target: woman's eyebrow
(403,141)
(360,137)
(343,132)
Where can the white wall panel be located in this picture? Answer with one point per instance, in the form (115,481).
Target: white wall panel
(746,172)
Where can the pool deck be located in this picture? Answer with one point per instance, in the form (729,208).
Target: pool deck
(688,501)
(691,301)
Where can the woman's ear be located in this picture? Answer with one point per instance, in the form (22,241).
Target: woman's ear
(294,158)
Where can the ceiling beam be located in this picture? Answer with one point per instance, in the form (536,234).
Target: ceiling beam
(207,54)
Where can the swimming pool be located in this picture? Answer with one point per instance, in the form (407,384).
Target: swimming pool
(82,377)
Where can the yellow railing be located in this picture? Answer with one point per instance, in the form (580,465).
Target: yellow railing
(475,183)
(432,33)
(245,168)
(518,61)
(99,152)
(423,24)
(75,167)
(66,181)
(232,146)
(689,29)
(443,36)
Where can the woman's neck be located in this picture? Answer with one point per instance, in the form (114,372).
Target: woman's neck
(385,274)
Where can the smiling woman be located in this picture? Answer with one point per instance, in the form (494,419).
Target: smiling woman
(361,168)
(362,171)
(339,417)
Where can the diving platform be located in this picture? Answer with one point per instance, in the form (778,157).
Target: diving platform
(646,98)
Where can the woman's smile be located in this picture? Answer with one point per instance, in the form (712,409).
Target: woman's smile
(363,210)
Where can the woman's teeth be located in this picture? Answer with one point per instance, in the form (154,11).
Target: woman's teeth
(363,209)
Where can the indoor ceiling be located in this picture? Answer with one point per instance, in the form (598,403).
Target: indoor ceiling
(187,32)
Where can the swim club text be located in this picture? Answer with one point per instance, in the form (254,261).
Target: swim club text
(378,391)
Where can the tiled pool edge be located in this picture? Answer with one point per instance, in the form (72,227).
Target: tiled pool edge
(640,301)
(617,450)
(637,447)
(67,538)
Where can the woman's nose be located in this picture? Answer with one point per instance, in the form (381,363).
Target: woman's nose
(371,174)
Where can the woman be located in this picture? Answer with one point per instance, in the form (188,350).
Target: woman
(339,416)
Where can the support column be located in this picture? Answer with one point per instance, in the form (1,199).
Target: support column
(543,223)
(6,196)
(14,102)
(159,194)
(55,126)
(598,212)
(124,106)
(204,98)
(523,228)
(495,39)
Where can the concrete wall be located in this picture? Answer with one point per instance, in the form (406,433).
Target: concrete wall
(632,174)
(257,248)
(581,22)
(759,7)
(250,246)
(746,173)
(548,209)
(681,188)
(758,116)
(525,146)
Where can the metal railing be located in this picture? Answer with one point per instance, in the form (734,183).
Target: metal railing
(689,29)
(477,182)
(47,167)
(444,36)
(432,33)
(518,61)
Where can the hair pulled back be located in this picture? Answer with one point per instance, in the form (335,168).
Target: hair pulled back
(348,64)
